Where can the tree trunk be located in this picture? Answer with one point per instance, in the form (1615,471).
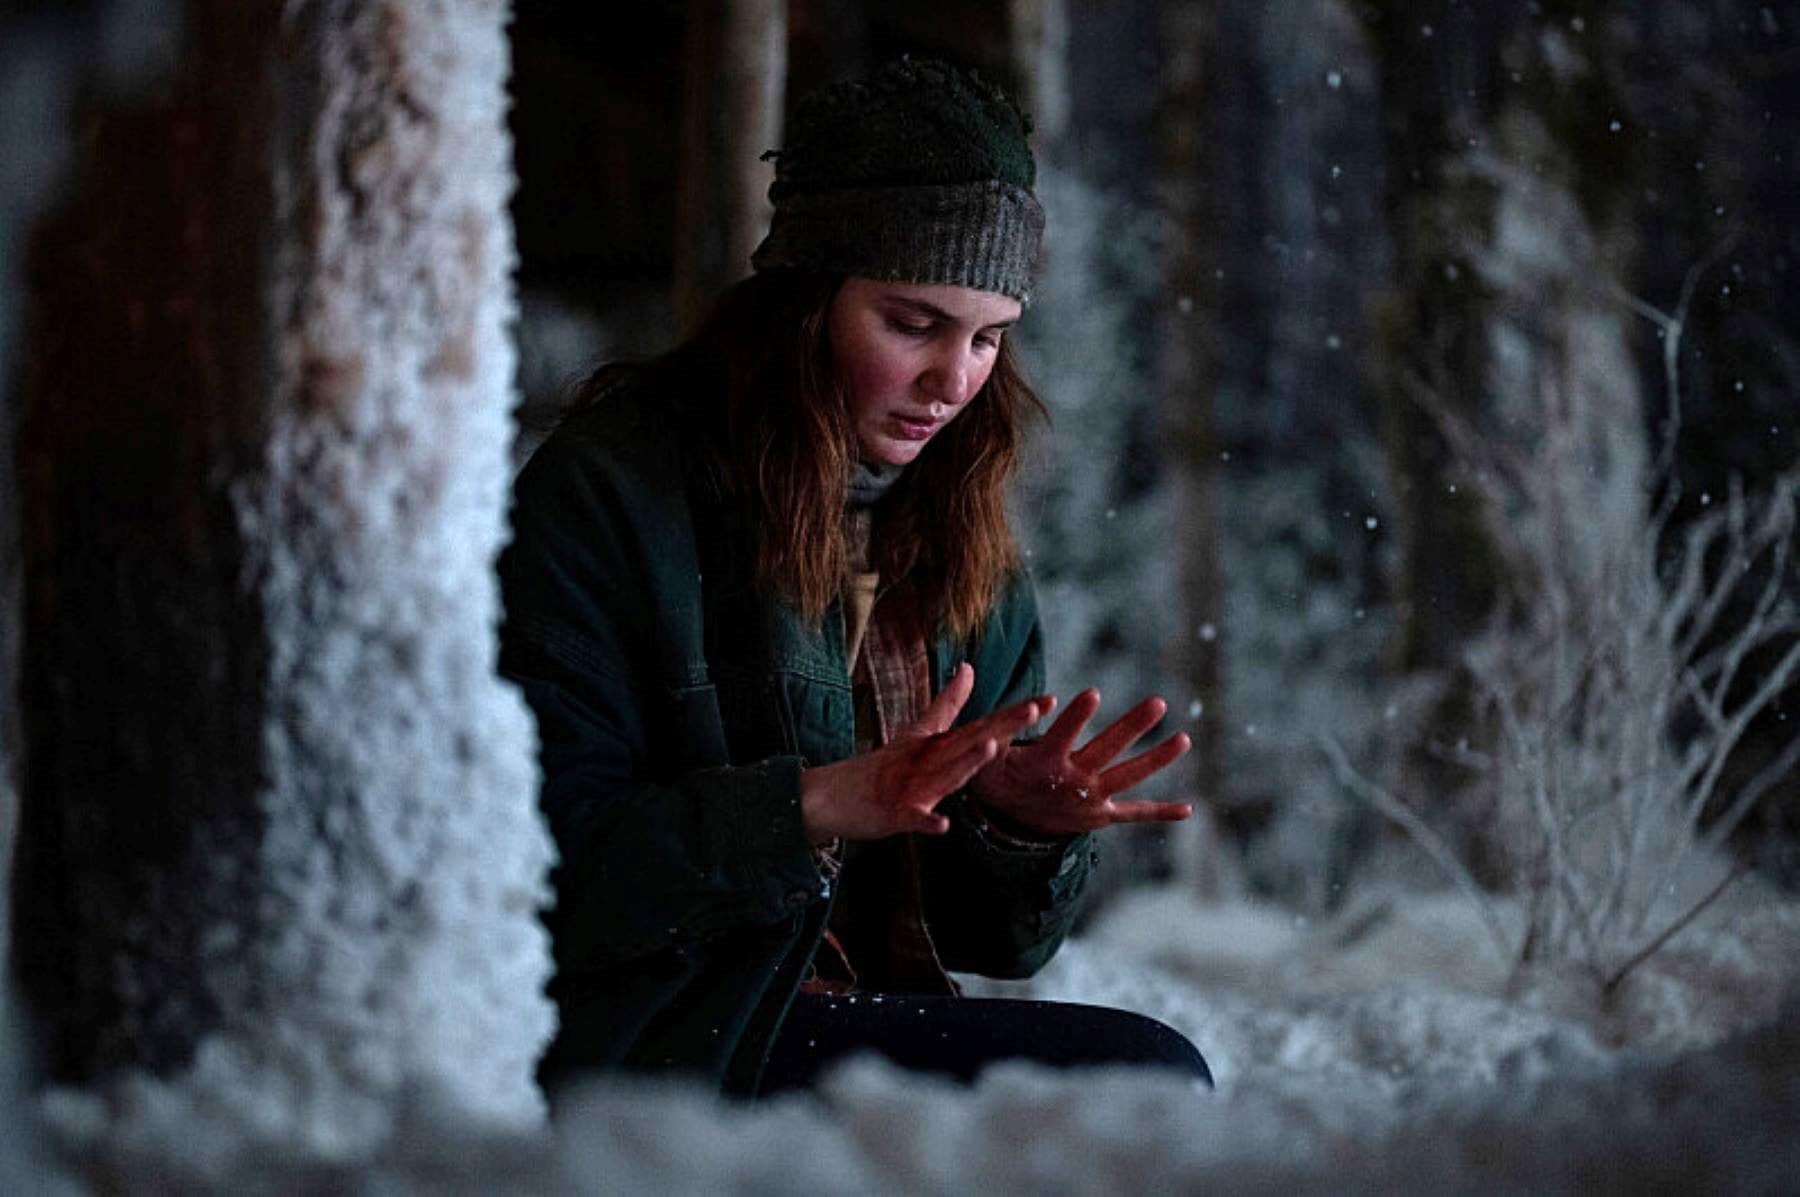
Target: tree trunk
(1504,189)
(828,40)
(1038,31)
(1439,90)
(279,840)
(736,72)
(1190,365)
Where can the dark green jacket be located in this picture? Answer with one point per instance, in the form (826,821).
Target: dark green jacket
(676,706)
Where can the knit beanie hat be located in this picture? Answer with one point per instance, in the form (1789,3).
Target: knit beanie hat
(920,174)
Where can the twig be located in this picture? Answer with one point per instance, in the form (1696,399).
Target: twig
(1672,325)
(1673,929)
(1747,798)
(1433,844)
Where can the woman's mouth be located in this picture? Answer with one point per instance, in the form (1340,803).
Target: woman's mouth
(908,428)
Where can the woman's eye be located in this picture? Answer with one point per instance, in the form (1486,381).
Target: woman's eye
(988,340)
(908,328)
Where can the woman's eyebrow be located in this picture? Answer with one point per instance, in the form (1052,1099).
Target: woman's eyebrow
(926,308)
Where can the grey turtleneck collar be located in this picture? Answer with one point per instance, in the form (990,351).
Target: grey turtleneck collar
(870,480)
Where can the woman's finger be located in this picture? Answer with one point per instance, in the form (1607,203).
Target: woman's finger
(931,823)
(947,705)
(1121,734)
(1148,812)
(954,773)
(1122,777)
(1001,725)
(1061,737)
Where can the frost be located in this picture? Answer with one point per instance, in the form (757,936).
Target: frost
(395,721)
(379,957)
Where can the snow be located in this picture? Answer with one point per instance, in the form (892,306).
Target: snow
(1388,1047)
(1395,1059)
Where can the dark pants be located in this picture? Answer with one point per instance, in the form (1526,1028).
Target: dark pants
(958,1037)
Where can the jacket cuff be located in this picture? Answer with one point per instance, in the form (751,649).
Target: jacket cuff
(1002,834)
(762,824)
(1012,851)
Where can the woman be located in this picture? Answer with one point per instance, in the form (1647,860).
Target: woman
(765,603)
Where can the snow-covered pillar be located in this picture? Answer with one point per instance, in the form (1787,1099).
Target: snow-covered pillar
(280,844)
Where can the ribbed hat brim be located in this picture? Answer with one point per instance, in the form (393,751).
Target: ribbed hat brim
(984,235)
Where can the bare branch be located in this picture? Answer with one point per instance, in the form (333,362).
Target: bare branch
(1747,798)
(1673,929)
(1433,844)
(1672,325)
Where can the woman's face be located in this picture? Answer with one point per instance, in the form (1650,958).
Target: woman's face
(910,356)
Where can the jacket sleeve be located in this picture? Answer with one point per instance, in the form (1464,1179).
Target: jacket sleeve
(659,838)
(999,904)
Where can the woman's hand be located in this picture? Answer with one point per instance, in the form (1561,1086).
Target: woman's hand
(1053,788)
(897,787)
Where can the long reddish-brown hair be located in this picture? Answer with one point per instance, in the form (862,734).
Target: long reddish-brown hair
(783,443)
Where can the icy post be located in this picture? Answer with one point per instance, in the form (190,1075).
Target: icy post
(403,857)
(305,916)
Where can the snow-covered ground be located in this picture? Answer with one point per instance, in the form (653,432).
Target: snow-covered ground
(1387,1049)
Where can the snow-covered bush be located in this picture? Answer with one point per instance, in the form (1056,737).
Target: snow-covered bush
(1627,657)
(1621,686)
(1622,672)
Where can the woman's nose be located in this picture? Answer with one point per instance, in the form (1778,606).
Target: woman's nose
(948,379)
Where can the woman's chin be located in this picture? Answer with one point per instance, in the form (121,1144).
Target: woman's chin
(887,451)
